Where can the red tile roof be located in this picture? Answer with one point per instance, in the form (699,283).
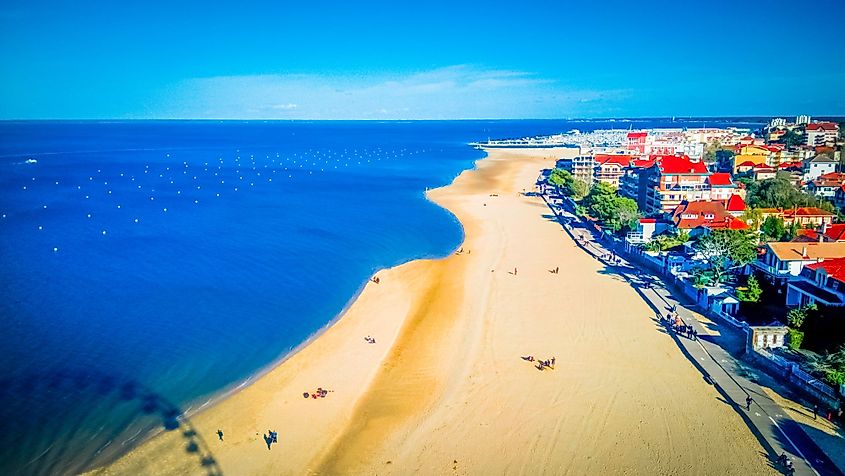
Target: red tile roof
(735,204)
(834,232)
(637,135)
(648,220)
(619,159)
(720,179)
(679,165)
(834,267)
(823,126)
(791,165)
(713,215)
(747,163)
(807,212)
(642,163)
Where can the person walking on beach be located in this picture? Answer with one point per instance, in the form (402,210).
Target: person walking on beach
(748,402)
(220,434)
(557,269)
(514,271)
(553,362)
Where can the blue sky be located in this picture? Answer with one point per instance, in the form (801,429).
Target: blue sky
(420,60)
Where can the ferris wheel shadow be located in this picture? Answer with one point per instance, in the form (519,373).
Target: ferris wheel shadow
(123,410)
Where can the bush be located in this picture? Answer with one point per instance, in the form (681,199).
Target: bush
(796,337)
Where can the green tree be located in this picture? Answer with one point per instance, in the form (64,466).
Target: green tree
(724,159)
(793,138)
(773,228)
(832,366)
(560,178)
(578,189)
(796,316)
(625,216)
(752,292)
(710,151)
(753,217)
(727,249)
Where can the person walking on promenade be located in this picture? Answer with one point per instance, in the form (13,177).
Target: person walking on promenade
(815,411)
(748,402)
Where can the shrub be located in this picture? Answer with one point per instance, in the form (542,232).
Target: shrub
(796,337)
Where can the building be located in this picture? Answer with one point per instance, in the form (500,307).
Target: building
(735,205)
(671,181)
(781,262)
(802,119)
(609,168)
(722,186)
(818,166)
(581,167)
(834,232)
(826,185)
(636,141)
(822,282)
(633,186)
(808,217)
(764,172)
(821,133)
(700,216)
(647,230)
(753,154)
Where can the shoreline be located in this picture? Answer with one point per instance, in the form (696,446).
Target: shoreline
(244,385)
(449,333)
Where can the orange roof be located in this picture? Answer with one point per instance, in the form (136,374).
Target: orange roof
(747,163)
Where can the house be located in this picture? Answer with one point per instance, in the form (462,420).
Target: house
(819,165)
(764,172)
(839,197)
(756,154)
(781,262)
(647,230)
(671,181)
(700,216)
(833,232)
(826,185)
(722,187)
(637,141)
(744,167)
(805,217)
(735,205)
(609,168)
(822,282)
(820,133)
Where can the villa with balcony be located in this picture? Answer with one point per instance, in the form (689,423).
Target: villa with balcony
(783,262)
(819,283)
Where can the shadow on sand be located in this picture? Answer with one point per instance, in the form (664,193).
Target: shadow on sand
(106,416)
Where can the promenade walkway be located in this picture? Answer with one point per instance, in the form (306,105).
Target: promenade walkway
(774,428)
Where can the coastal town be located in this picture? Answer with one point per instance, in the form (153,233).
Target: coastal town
(747,225)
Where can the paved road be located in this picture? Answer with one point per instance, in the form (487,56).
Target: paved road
(776,431)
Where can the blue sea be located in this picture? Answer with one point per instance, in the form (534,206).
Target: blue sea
(148,267)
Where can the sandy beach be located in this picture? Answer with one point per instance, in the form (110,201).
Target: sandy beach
(443,389)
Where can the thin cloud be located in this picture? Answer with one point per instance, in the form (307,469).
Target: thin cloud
(453,92)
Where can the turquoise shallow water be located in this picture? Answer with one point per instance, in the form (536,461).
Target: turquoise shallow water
(149,266)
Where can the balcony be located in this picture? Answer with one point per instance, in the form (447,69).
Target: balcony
(771,270)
